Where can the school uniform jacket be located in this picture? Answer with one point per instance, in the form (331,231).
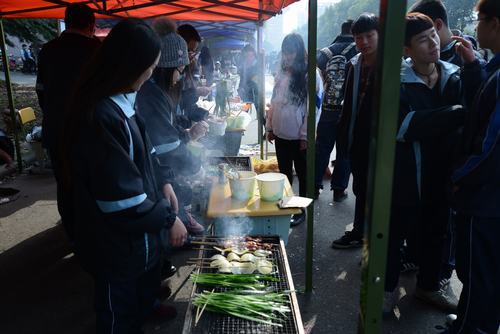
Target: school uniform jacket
(478,173)
(428,130)
(118,210)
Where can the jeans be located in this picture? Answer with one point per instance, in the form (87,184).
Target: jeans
(325,141)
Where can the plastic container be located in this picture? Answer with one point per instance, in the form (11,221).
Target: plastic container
(216,128)
(243,188)
(271,186)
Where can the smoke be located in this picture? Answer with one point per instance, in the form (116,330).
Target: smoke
(234,226)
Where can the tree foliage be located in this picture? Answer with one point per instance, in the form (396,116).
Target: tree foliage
(33,31)
(460,14)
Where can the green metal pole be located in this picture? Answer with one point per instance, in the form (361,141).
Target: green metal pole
(5,59)
(262,80)
(262,85)
(311,137)
(382,149)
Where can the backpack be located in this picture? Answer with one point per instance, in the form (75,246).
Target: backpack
(334,76)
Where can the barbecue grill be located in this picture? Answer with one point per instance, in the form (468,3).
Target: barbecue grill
(214,323)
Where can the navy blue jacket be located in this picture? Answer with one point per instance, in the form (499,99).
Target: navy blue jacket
(429,121)
(168,138)
(118,210)
(478,175)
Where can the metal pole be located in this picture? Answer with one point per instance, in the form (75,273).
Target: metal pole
(382,148)
(311,137)
(262,81)
(5,59)
(262,84)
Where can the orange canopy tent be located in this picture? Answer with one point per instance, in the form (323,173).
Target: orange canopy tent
(189,10)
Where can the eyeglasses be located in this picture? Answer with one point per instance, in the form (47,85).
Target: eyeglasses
(181,72)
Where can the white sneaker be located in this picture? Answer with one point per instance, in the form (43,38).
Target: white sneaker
(437,298)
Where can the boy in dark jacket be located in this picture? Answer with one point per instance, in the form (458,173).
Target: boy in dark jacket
(354,123)
(333,61)
(477,183)
(429,118)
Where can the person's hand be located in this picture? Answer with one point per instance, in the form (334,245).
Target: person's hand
(203,90)
(170,196)
(198,130)
(178,233)
(465,49)
(303,145)
(270,137)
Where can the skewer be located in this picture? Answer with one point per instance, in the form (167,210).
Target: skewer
(204,243)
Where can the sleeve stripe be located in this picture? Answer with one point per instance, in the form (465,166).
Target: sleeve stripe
(404,127)
(165,148)
(114,206)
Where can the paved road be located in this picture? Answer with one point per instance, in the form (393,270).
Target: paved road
(20,78)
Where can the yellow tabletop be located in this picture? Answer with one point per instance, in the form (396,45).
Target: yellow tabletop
(220,203)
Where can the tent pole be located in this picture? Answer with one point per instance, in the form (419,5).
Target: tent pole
(262,81)
(382,152)
(5,59)
(311,137)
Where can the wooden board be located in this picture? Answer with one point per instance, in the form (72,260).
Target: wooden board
(220,203)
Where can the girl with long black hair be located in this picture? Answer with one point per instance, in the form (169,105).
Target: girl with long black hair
(109,175)
(287,115)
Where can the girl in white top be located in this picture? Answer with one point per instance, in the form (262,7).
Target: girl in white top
(286,122)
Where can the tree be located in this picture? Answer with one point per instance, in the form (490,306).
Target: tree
(460,14)
(34,31)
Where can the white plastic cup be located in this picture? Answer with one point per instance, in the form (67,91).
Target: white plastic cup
(243,188)
(271,186)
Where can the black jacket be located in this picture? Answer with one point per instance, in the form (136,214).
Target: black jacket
(59,65)
(169,139)
(354,124)
(477,176)
(118,210)
(428,131)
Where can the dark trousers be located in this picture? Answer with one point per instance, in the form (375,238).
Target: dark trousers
(289,155)
(430,240)
(399,227)
(359,184)
(325,141)
(450,246)
(64,203)
(122,307)
(424,228)
(478,267)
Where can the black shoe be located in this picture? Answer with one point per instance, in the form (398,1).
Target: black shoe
(339,195)
(297,219)
(348,240)
(317,191)
(168,271)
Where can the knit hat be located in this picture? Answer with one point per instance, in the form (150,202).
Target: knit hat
(174,51)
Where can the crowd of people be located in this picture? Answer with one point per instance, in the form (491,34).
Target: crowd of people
(444,213)
(118,116)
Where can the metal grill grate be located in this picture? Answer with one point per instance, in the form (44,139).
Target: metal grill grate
(214,323)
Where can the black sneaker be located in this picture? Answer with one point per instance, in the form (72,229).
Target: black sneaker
(348,240)
(339,195)
(297,219)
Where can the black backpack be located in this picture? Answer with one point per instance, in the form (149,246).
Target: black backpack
(334,75)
